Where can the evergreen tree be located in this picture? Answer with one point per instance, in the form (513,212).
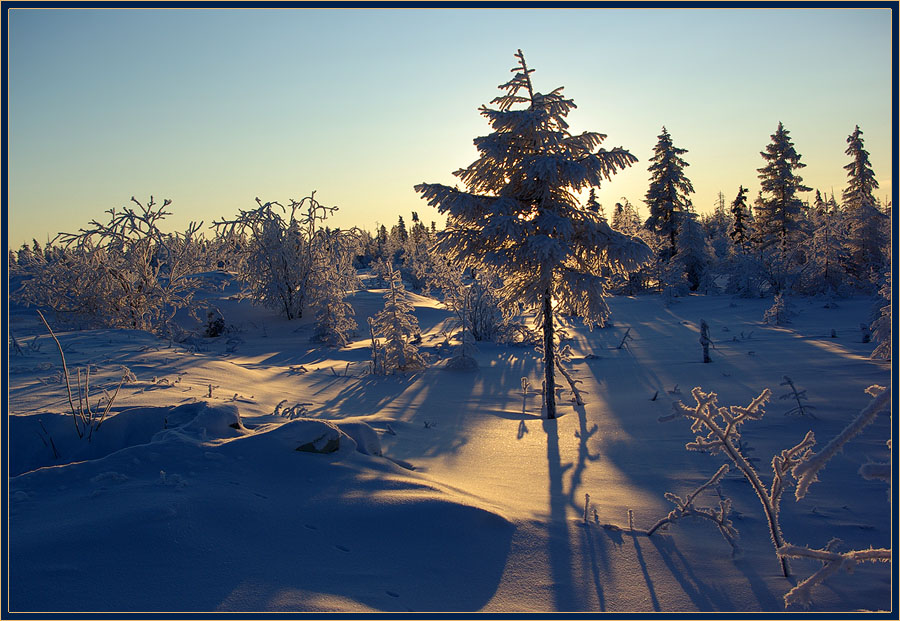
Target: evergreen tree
(740,212)
(397,324)
(824,271)
(626,219)
(779,214)
(401,232)
(520,217)
(867,235)
(667,197)
(593,205)
(716,226)
(694,251)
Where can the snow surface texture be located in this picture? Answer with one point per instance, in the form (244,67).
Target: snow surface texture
(193,495)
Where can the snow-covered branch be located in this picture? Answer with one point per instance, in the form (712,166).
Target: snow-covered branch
(833,562)
(806,473)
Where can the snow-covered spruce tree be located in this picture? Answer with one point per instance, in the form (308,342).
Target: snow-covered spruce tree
(741,220)
(626,218)
(667,196)
(868,235)
(716,227)
(520,216)
(418,261)
(396,324)
(694,252)
(826,256)
(593,205)
(779,213)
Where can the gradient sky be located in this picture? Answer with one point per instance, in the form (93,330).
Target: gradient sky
(212,108)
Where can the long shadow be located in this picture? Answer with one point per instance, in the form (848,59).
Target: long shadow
(584,455)
(645,572)
(705,596)
(559,551)
(595,565)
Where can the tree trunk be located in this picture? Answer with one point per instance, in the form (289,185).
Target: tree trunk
(549,381)
(704,340)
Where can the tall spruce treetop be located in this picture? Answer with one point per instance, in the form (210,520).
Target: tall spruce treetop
(861,183)
(667,196)
(740,233)
(779,214)
(867,238)
(520,216)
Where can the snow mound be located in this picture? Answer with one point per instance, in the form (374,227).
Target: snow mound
(306,435)
(366,438)
(203,421)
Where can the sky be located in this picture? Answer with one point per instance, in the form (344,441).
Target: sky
(212,108)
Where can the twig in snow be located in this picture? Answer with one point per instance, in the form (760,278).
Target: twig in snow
(799,396)
(626,337)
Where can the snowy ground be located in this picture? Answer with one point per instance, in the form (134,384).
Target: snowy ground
(191,496)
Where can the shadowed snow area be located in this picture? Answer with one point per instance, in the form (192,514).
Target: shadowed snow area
(259,471)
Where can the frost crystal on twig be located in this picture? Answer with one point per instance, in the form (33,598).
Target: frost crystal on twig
(718,430)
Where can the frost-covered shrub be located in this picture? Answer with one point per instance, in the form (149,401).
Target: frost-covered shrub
(746,276)
(685,507)
(806,473)
(333,277)
(476,303)
(87,420)
(123,273)
(290,263)
(718,431)
(779,313)
(278,255)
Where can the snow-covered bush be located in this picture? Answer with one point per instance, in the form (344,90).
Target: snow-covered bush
(397,325)
(282,254)
(334,276)
(826,256)
(123,273)
(746,276)
(779,313)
